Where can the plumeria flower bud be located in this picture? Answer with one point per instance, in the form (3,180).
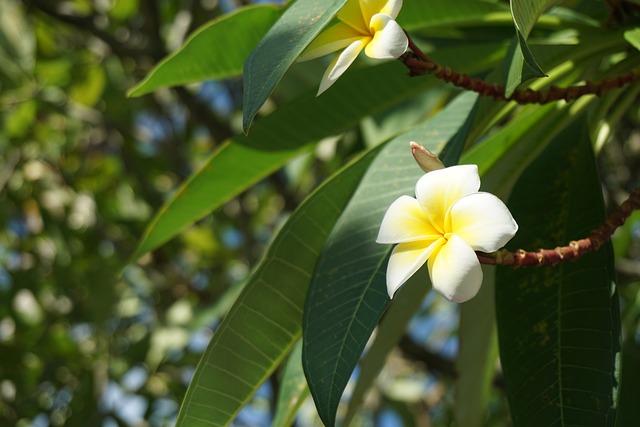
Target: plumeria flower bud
(426,159)
(443,226)
(364,24)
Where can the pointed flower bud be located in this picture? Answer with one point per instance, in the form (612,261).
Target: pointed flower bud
(426,159)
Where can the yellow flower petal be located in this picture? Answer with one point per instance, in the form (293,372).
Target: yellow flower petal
(330,40)
(404,222)
(389,40)
(387,7)
(340,64)
(352,15)
(438,190)
(406,259)
(483,221)
(455,270)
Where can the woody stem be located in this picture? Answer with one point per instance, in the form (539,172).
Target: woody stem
(419,63)
(574,250)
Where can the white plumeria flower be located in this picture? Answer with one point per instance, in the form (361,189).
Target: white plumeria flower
(447,222)
(364,24)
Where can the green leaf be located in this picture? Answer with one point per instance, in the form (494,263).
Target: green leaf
(348,293)
(293,389)
(559,327)
(207,54)
(276,139)
(633,37)
(521,65)
(526,13)
(275,53)
(265,322)
(477,355)
(390,331)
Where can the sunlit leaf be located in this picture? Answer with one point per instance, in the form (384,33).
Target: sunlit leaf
(266,319)
(216,50)
(275,53)
(276,139)
(348,293)
(559,327)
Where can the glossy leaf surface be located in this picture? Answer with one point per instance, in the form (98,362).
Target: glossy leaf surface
(275,53)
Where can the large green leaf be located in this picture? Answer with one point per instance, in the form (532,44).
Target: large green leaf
(348,293)
(559,327)
(390,331)
(276,139)
(266,320)
(284,42)
(208,53)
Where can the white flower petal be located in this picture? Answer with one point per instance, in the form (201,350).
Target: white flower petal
(340,64)
(436,191)
(455,271)
(483,221)
(404,221)
(330,40)
(389,40)
(387,7)
(406,259)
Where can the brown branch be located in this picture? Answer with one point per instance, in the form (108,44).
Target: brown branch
(419,63)
(574,249)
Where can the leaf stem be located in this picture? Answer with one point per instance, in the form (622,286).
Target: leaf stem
(574,250)
(419,63)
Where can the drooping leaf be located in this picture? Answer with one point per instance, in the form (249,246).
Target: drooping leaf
(266,319)
(348,294)
(559,327)
(293,389)
(292,129)
(216,50)
(275,53)
(521,64)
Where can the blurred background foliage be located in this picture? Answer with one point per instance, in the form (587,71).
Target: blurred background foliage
(86,338)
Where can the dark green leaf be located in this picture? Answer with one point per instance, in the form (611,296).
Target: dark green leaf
(216,50)
(559,327)
(284,42)
(390,331)
(348,293)
(266,320)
